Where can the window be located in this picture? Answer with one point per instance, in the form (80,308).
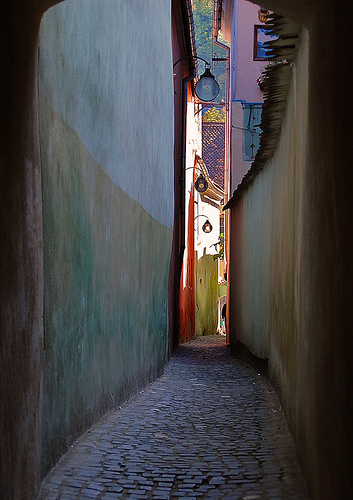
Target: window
(262,35)
(252,130)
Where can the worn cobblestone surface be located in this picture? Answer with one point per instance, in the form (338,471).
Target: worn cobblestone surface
(210,427)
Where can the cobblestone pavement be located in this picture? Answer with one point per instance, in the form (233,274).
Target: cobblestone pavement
(209,427)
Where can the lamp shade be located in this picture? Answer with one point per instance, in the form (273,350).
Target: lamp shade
(207,88)
(201,184)
(207,227)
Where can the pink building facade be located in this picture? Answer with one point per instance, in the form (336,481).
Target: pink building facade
(245,94)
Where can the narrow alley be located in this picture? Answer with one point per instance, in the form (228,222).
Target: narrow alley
(209,427)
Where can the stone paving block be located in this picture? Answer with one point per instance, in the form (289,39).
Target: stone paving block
(161,495)
(164,484)
(217,480)
(90,493)
(116,488)
(145,488)
(186,485)
(209,427)
(136,493)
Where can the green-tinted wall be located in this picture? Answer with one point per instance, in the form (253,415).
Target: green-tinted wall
(107,161)
(291,263)
(206,296)
(105,291)
(265,263)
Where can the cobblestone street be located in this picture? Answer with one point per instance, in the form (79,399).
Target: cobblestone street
(209,427)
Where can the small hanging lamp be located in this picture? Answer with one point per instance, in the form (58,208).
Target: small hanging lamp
(201,184)
(207,227)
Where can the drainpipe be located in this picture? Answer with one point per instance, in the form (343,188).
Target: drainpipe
(227,174)
(227,130)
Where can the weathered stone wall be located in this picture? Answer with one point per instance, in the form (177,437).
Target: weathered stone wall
(106,132)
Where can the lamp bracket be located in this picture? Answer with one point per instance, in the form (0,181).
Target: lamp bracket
(191,57)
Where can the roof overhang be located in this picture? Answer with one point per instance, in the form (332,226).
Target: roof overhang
(213,192)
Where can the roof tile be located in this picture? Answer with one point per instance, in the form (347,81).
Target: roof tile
(213,150)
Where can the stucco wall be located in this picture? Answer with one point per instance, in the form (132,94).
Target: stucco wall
(246,70)
(206,295)
(105,74)
(265,263)
(21,243)
(244,87)
(206,267)
(293,227)
(266,234)
(106,131)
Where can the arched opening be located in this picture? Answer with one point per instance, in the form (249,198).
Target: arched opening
(301,300)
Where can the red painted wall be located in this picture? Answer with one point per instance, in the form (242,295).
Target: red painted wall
(187,282)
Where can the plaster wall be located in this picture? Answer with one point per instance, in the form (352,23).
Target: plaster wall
(239,166)
(187,293)
(106,134)
(325,342)
(205,241)
(247,70)
(244,87)
(206,295)
(206,269)
(267,234)
(179,72)
(21,246)
(193,147)
(107,57)
(299,240)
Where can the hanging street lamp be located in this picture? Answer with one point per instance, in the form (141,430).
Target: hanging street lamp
(207,88)
(207,227)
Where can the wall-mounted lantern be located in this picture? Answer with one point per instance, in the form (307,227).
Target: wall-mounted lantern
(207,227)
(201,184)
(207,88)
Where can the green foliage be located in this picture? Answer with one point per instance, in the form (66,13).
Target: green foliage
(203,19)
(215,115)
(220,254)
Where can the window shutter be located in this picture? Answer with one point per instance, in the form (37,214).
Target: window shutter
(252,130)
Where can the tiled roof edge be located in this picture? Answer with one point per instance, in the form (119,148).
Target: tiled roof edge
(217,190)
